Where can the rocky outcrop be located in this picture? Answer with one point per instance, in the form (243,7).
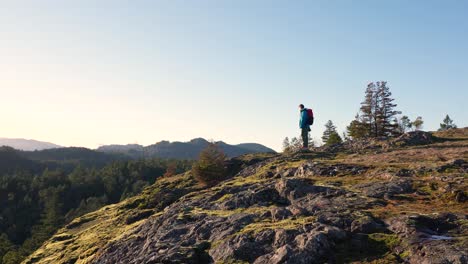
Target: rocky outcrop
(317,169)
(273,221)
(385,189)
(430,239)
(358,206)
(251,219)
(413,139)
(458,165)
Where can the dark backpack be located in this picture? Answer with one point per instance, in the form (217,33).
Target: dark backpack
(310,117)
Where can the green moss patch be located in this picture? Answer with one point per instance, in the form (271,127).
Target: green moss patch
(287,224)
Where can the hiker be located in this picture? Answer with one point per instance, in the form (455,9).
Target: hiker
(305,121)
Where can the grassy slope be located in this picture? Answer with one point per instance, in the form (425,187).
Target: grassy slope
(449,146)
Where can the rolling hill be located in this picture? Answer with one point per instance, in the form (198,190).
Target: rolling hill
(182,150)
(27,144)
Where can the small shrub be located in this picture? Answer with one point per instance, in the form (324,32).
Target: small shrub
(210,167)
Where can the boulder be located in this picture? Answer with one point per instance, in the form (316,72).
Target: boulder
(413,138)
(366,225)
(293,189)
(459,165)
(385,189)
(279,213)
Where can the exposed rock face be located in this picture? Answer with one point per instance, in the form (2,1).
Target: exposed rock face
(265,227)
(301,208)
(414,138)
(429,238)
(385,189)
(272,220)
(317,169)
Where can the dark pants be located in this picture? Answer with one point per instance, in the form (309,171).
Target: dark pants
(305,137)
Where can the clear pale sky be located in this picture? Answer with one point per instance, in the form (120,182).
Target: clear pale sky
(85,73)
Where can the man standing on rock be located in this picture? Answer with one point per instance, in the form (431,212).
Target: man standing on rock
(305,121)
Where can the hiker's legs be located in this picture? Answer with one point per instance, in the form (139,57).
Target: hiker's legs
(305,138)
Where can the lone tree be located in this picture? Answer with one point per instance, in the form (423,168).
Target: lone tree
(377,113)
(329,129)
(405,124)
(447,124)
(330,136)
(210,168)
(418,123)
(287,148)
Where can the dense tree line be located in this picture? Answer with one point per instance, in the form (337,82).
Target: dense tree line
(36,201)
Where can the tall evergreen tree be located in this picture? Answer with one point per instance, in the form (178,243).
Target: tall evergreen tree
(377,113)
(385,111)
(447,124)
(330,128)
(330,136)
(368,109)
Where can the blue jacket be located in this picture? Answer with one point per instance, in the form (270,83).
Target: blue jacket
(303,119)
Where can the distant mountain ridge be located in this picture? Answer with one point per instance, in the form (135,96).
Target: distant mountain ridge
(27,144)
(162,149)
(182,150)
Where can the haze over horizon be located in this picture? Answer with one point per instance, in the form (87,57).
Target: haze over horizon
(92,73)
